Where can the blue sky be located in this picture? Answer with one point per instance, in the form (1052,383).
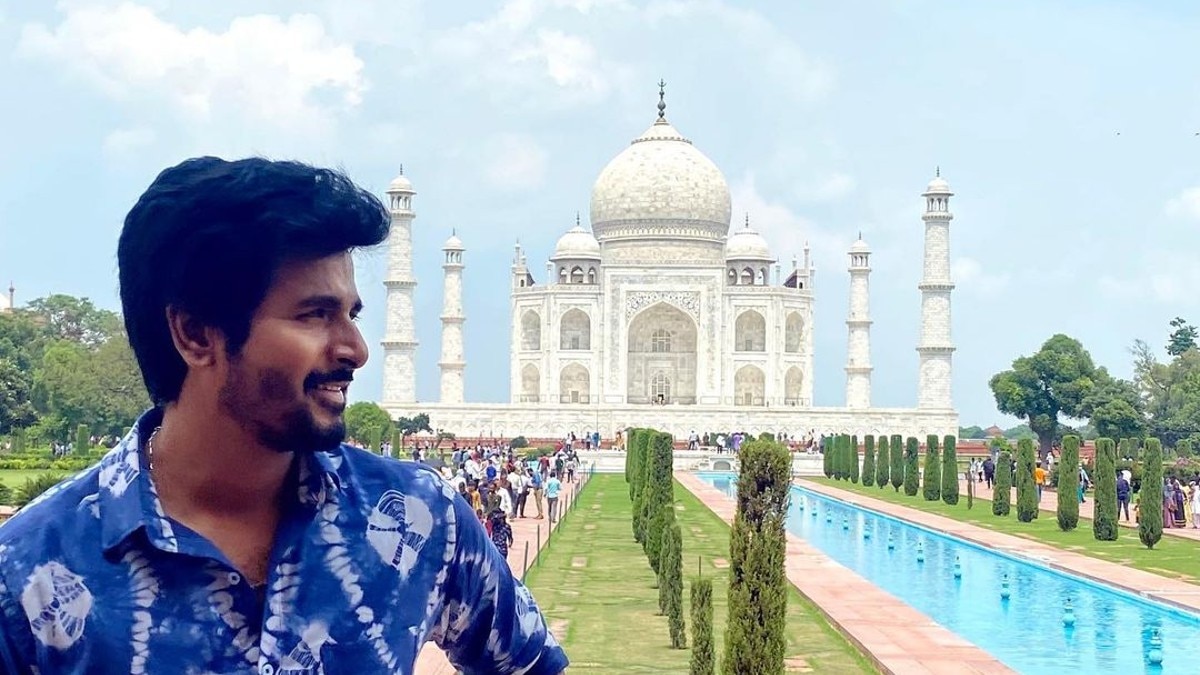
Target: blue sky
(1067,129)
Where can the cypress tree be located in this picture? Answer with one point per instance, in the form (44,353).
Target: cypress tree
(884,463)
(1068,485)
(660,503)
(827,456)
(898,462)
(754,636)
(1027,501)
(83,440)
(854,471)
(1104,502)
(704,658)
(868,469)
(840,446)
(396,447)
(1002,493)
(636,457)
(1184,448)
(912,475)
(1150,504)
(18,441)
(932,478)
(672,576)
(949,470)
(375,439)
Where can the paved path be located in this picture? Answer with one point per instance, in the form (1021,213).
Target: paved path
(898,638)
(1146,584)
(432,661)
(1050,503)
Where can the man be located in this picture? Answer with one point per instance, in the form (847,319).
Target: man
(231,530)
(1123,491)
(535,484)
(989,471)
(516,482)
(1039,479)
(553,487)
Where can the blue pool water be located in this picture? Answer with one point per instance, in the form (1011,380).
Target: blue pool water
(1113,628)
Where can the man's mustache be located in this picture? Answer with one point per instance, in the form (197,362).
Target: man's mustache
(317,379)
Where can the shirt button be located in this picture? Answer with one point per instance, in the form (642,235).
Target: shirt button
(267,669)
(234,578)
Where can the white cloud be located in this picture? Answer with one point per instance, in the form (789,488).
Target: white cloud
(970,276)
(287,73)
(515,162)
(831,188)
(784,229)
(121,143)
(1166,277)
(1185,205)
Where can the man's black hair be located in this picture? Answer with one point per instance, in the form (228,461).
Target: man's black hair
(208,237)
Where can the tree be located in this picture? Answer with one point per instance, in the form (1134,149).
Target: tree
(1170,392)
(932,477)
(1002,494)
(1027,498)
(75,320)
(884,464)
(100,387)
(911,473)
(1182,339)
(1039,388)
(973,432)
(1150,503)
(853,456)
(898,462)
(34,487)
(1068,485)
(1104,502)
(363,416)
(410,426)
(659,495)
(754,637)
(868,467)
(374,439)
(671,584)
(83,440)
(1114,407)
(827,454)
(949,470)
(840,442)
(704,658)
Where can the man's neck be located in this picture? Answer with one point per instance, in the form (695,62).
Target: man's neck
(207,466)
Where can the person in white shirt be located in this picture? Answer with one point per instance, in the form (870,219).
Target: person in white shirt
(516,482)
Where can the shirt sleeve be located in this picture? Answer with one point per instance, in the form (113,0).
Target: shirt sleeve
(494,624)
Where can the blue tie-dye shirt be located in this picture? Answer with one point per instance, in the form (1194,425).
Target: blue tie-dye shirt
(378,557)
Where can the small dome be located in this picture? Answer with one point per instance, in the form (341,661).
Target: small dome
(400,183)
(453,244)
(576,243)
(938,186)
(747,244)
(860,246)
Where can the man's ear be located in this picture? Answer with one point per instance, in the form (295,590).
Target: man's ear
(196,343)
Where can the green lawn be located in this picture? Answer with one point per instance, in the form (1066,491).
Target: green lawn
(597,589)
(16,477)
(1173,557)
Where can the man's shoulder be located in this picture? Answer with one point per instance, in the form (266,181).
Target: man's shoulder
(376,475)
(59,512)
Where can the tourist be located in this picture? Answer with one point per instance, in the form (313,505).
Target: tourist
(1123,490)
(1039,479)
(989,471)
(1195,499)
(517,484)
(535,483)
(553,486)
(1180,500)
(502,534)
(1168,500)
(232,511)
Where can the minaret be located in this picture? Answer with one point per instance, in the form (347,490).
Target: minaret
(935,348)
(858,355)
(399,336)
(452,363)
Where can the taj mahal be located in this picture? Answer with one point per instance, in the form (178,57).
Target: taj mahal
(666,315)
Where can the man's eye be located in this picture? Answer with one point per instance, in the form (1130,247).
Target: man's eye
(316,314)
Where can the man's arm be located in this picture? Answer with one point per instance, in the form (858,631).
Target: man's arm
(493,624)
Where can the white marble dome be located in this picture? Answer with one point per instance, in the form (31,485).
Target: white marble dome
(660,186)
(747,244)
(938,186)
(453,244)
(400,183)
(576,243)
(860,246)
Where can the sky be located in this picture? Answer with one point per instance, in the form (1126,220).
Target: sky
(1069,131)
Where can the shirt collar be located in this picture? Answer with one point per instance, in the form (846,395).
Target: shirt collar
(128,501)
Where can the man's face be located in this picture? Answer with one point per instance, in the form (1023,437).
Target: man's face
(288,383)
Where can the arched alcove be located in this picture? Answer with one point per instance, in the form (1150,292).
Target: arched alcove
(750,332)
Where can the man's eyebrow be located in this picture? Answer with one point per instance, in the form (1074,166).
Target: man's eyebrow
(328,302)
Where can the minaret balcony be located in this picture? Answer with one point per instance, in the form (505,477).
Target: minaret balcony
(400,283)
(399,344)
(936,286)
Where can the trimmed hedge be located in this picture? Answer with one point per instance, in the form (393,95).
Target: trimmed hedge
(704,658)
(1104,501)
(670,584)
(1027,498)
(884,464)
(868,468)
(931,478)
(1068,485)
(1150,504)
(827,456)
(1002,493)
(853,457)
(912,474)
(899,461)
(949,471)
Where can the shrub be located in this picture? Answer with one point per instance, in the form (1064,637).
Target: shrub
(827,456)
(672,577)
(518,443)
(659,494)
(1184,448)
(853,457)
(931,481)
(1068,484)
(1027,499)
(898,462)
(6,495)
(704,659)
(839,456)
(83,440)
(1104,501)
(766,436)
(868,467)
(949,471)
(1002,494)
(374,439)
(34,487)
(912,475)
(1150,504)
(754,637)
(883,464)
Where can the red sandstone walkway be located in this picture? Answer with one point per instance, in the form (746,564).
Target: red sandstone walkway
(1146,584)
(898,638)
(1086,510)
(432,661)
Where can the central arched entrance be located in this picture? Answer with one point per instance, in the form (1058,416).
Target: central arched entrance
(662,357)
